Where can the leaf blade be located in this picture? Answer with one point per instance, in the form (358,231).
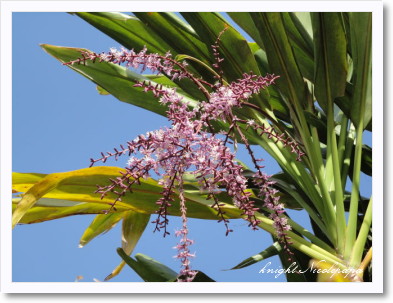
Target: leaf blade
(116,80)
(280,55)
(101,224)
(361,42)
(134,224)
(271,251)
(147,268)
(330,51)
(80,186)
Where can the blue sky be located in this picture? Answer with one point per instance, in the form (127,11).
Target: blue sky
(59,123)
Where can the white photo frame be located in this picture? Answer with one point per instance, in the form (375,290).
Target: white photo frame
(8,286)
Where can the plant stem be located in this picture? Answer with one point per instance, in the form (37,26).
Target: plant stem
(366,261)
(342,139)
(314,149)
(312,250)
(314,239)
(347,158)
(294,168)
(338,192)
(354,203)
(358,247)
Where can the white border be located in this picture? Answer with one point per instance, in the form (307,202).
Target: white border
(7,286)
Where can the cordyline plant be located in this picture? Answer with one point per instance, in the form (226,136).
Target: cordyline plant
(301,91)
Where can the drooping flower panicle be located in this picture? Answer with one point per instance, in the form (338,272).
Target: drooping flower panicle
(191,145)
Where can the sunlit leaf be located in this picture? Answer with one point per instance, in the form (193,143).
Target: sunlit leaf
(114,79)
(271,251)
(133,226)
(80,186)
(101,224)
(147,268)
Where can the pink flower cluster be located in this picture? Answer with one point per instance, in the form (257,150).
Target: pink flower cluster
(272,203)
(153,62)
(187,146)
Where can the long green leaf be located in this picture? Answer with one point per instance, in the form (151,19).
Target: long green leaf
(117,80)
(177,33)
(271,251)
(151,270)
(234,48)
(134,224)
(330,51)
(297,262)
(292,86)
(299,38)
(39,213)
(80,186)
(361,41)
(330,78)
(101,224)
(136,34)
(358,248)
(245,21)
(128,30)
(301,43)
(277,103)
(147,268)
(280,55)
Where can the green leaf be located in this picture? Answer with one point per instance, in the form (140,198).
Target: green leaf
(271,251)
(301,261)
(305,19)
(119,81)
(330,51)
(128,30)
(151,270)
(233,48)
(102,91)
(31,196)
(147,268)
(277,103)
(319,122)
(134,224)
(182,38)
(366,165)
(80,186)
(39,213)
(116,80)
(280,55)
(100,225)
(361,41)
(301,43)
(244,20)
(299,38)
(136,34)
